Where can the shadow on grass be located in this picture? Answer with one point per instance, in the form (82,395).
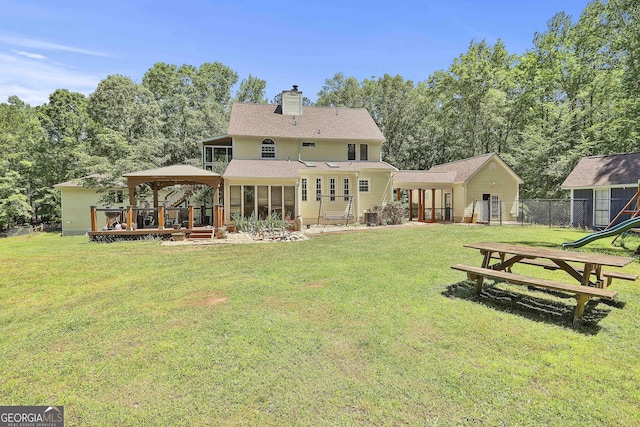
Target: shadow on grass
(538,309)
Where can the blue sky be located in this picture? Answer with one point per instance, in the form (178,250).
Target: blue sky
(51,44)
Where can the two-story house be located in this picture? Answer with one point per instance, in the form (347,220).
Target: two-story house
(316,163)
(302,161)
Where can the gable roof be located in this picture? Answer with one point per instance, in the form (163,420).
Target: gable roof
(266,120)
(439,177)
(292,168)
(604,171)
(466,168)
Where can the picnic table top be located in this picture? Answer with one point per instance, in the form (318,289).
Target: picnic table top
(559,254)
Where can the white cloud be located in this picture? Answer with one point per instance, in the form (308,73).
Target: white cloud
(46,45)
(29,54)
(33,81)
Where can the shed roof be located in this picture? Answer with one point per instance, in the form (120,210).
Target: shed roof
(267,120)
(605,171)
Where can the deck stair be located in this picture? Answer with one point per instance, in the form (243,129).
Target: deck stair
(201,234)
(177,197)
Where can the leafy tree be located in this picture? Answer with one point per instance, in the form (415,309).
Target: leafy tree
(194,104)
(21,136)
(341,91)
(14,206)
(124,129)
(252,90)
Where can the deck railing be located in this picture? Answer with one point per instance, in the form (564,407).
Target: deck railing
(138,217)
(126,215)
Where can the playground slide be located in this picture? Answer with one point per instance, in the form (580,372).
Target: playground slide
(618,229)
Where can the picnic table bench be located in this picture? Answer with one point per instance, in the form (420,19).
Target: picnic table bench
(592,280)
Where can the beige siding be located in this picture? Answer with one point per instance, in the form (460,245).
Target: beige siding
(76,209)
(380,191)
(310,209)
(498,181)
(459,205)
(247,148)
(333,151)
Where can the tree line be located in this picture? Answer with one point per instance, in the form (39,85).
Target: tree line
(575,92)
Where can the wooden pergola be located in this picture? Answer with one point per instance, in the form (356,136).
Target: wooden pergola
(169,176)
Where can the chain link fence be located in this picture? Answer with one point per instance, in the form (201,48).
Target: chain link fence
(551,212)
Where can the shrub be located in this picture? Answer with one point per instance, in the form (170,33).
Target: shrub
(390,214)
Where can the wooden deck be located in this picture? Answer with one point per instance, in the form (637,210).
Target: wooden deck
(108,236)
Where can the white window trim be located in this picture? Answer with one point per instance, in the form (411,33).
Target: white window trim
(263,145)
(494,203)
(304,190)
(360,186)
(318,194)
(346,189)
(332,189)
(608,199)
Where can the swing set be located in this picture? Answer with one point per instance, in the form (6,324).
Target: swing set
(345,215)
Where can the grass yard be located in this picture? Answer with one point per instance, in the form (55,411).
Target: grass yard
(363,328)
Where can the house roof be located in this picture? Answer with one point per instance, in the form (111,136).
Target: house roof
(292,169)
(604,171)
(466,168)
(267,120)
(418,177)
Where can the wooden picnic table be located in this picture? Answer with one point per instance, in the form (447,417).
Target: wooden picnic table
(585,268)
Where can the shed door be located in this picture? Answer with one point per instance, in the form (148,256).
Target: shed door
(486,207)
(495,207)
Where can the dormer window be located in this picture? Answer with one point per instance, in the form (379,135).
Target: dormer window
(268,149)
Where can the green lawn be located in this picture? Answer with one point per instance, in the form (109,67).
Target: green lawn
(363,328)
